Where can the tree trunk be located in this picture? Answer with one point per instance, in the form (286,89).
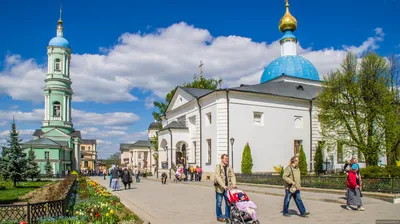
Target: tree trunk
(15,183)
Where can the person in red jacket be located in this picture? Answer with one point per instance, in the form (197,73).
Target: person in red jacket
(353,191)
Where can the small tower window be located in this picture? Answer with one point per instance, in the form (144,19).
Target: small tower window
(56,109)
(58,64)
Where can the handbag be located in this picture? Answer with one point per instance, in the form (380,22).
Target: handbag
(292,187)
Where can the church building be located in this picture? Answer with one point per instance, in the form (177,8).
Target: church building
(57,141)
(275,117)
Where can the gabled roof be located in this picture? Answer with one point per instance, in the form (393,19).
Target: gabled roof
(38,133)
(89,141)
(196,92)
(281,88)
(45,142)
(139,143)
(75,134)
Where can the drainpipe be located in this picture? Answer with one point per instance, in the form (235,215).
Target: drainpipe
(201,133)
(227,134)
(170,153)
(311,156)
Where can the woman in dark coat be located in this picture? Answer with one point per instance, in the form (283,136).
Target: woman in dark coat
(126,178)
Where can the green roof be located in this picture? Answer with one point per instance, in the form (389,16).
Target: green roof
(45,142)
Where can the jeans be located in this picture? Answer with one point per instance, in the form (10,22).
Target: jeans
(218,198)
(297,200)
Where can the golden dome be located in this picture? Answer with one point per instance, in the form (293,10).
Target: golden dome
(288,22)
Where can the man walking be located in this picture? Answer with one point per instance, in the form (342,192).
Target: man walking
(224,179)
(291,175)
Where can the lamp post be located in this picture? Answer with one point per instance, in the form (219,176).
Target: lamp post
(232,141)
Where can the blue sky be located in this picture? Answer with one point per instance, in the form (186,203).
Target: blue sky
(127,53)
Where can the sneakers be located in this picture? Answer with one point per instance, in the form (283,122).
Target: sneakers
(286,215)
(361,209)
(305,214)
(348,208)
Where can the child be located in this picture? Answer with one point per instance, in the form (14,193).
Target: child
(246,206)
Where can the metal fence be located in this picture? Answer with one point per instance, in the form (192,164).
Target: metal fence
(31,212)
(384,185)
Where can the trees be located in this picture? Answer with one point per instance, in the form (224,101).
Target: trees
(13,162)
(247,160)
(32,167)
(318,160)
(302,161)
(359,109)
(48,168)
(198,82)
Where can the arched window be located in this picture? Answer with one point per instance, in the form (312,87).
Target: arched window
(56,109)
(58,64)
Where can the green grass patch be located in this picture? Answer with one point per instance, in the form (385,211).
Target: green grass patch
(10,194)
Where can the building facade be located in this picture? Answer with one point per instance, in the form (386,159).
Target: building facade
(276,118)
(57,141)
(141,153)
(89,154)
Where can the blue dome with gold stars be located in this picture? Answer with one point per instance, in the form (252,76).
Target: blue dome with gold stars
(290,65)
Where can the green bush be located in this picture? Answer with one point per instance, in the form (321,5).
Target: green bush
(376,171)
(302,162)
(247,160)
(318,160)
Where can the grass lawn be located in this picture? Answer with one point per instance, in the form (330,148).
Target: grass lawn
(9,194)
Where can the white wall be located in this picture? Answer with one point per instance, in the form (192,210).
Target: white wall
(273,143)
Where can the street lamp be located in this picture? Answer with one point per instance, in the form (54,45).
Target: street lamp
(232,141)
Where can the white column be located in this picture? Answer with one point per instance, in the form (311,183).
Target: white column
(67,64)
(69,108)
(48,63)
(51,63)
(45,107)
(64,109)
(77,156)
(63,64)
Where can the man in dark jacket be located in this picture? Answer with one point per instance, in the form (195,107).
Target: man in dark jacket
(115,177)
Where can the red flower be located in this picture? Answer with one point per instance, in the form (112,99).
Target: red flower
(23,222)
(97,215)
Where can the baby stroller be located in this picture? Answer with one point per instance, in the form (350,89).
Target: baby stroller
(179,177)
(243,211)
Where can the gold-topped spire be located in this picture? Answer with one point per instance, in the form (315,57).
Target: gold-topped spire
(288,22)
(60,28)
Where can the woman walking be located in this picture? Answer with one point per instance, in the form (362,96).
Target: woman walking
(126,178)
(292,179)
(353,194)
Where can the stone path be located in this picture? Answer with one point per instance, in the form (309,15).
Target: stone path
(192,203)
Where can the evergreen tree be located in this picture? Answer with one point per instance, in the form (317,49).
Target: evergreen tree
(48,168)
(32,167)
(4,163)
(14,163)
(318,160)
(247,160)
(302,162)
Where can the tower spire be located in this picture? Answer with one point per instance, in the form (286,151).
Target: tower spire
(60,29)
(288,22)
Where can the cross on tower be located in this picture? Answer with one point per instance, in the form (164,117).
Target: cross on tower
(201,68)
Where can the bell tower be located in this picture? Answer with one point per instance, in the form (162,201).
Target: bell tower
(58,91)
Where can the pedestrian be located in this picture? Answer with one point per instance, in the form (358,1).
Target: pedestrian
(109,171)
(104,174)
(126,178)
(115,178)
(137,174)
(163,178)
(292,178)
(224,179)
(353,194)
(191,171)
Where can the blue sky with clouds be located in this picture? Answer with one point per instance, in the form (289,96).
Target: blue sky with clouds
(128,53)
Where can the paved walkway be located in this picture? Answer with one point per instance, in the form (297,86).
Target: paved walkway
(193,203)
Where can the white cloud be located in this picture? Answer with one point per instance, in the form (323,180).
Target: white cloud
(79,117)
(123,128)
(149,102)
(161,60)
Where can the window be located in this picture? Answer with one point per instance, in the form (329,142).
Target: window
(139,155)
(86,164)
(209,151)
(258,118)
(339,152)
(58,65)
(56,109)
(297,144)
(298,121)
(139,165)
(47,155)
(89,148)
(82,147)
(208,118)
(192,120)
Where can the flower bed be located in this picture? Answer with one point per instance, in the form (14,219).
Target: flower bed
(94,204)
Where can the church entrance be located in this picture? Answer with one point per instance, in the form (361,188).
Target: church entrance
(181,155)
